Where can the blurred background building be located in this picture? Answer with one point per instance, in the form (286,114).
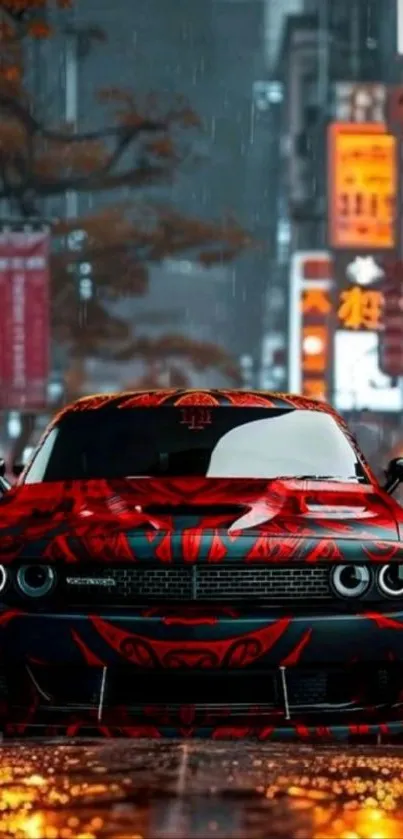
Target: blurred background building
(338,66)
(268,78)
(212,53)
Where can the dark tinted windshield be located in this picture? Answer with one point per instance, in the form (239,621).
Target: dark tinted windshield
(219,442)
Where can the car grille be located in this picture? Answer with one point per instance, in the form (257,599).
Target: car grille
(232,583)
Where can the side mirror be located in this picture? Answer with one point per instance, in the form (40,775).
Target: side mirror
(3,467)
(393,475)
(18,468)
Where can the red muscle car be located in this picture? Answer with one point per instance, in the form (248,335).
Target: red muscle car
(214,563)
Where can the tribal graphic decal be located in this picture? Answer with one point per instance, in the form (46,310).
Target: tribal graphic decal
(190,526)
(267,521)
(206,639)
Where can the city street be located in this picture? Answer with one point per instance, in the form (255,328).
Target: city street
(156,790)
(201,419)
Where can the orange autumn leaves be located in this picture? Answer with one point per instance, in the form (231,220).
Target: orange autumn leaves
(141,143)
(19,19)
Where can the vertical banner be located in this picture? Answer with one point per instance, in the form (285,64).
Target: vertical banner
(311,321)
(363,217)
(362,163)
(24,319)
(391,336)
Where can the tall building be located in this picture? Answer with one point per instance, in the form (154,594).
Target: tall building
(213,53)
(331,42)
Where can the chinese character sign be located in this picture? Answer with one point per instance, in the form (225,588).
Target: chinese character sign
(362,186)
(311,324)
(360,308)
(316,300)
(24,313)
(316,309)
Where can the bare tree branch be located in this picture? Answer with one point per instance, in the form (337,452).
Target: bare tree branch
(137,147)
(119,132)
(17,20)
(97,182)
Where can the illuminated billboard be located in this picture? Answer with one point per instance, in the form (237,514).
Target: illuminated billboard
(362,164)
(358,290)
(360,308)
(310,343)
(359,384)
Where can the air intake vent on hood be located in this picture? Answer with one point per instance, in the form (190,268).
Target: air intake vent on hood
(195,509)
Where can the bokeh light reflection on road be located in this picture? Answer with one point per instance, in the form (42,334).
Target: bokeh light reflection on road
(129,790)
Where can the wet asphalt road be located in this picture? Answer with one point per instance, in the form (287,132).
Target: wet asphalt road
(157,790)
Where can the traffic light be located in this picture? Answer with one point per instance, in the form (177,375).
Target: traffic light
(391,334)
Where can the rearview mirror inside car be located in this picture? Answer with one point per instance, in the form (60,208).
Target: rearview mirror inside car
(393,475)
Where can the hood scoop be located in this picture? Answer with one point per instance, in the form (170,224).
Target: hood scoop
(346,507)
(329,511)
(202,510)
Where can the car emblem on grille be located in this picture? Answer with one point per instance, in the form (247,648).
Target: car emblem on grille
(91,581)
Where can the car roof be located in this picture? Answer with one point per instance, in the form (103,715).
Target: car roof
(182,398)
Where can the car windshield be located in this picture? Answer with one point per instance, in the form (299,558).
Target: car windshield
(217,443)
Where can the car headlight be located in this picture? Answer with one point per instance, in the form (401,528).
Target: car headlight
(35,580)
(390,580)
(3,578)
(350,580)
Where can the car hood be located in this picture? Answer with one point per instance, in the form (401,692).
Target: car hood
(119,520)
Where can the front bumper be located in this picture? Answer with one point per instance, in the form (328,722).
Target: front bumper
(216,673)
(201,638)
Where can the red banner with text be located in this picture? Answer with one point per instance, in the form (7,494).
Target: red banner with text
(24,319)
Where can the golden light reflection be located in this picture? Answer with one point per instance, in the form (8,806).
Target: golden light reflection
(94,792)
(363,823)
(358,798)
